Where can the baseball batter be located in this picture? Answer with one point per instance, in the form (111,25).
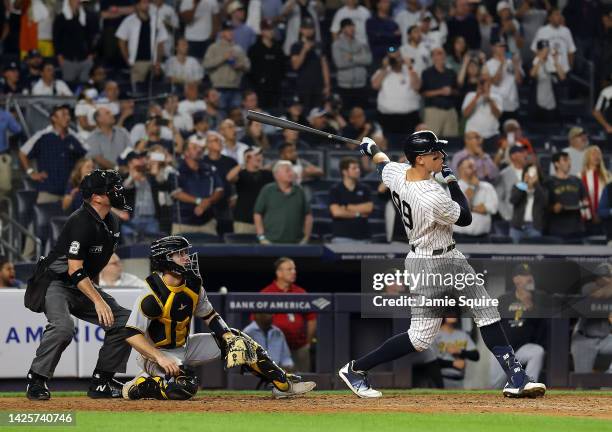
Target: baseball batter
(428,215)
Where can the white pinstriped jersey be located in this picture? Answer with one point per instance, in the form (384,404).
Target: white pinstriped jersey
(428,213)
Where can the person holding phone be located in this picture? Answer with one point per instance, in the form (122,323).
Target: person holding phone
(529,201)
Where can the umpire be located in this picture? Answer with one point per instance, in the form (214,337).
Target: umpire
(63,285)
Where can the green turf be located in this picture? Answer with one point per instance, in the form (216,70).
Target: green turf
(353,422)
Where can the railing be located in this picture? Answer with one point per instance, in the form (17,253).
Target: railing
(583,74)
(11,243)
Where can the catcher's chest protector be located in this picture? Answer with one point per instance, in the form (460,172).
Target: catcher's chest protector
(170,310)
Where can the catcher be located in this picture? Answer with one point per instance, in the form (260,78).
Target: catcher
(159,330)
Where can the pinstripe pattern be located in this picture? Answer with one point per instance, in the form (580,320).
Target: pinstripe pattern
(429,227)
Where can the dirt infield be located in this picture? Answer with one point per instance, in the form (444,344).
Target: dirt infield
(579,405)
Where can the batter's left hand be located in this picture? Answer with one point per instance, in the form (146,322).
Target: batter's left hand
(446,175)
(366,147)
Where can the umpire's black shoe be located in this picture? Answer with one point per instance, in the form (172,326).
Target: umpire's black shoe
(104,388)
(37,387)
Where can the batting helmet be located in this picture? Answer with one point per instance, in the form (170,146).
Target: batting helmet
(105,182)
(161,255)
(421,143)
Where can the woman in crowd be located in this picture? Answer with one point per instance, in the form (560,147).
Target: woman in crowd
(594,177)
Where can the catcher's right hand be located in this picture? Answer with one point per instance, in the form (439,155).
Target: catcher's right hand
(238,351)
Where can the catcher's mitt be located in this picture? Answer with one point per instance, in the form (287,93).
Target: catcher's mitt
(239,351)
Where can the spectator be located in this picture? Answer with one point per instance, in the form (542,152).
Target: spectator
(250,102)
(226,63)
(98,77)
(486,26)
(47,85)
(36,27)
(73,38)
(292,137)
(8,278)
(113,276)
(212,98)
(350,204)
(469,74)
(244,35)
(8,124)
(268,64)
(604,61)
(255,136)
(141,42)
(439,87)
(485,167)
(592,336)
(559,39)
(506,75)
(55,149)
(567,200)
(414,50)
(359,127)
(182,68)
(408,17)
(398,100)
(578,142)
(231,146)
(110,97)
(603,111)
(547,71)
(351,58)
(453,347)
(382,32)
(191,102)
(482,110)
(200,127)
(512,136)
(165,15)
(464,23)
(526,333)
(307,59)
(509,29)
(334,106)
(201,24)
(458,51)
(33,69)
(223,165)
(11,84)
(529,199)
(84,112)
(112,13)
(356,14)
(299,329)
(140,193)
(508,177)
(318,118)
(282,212)
(199,188)
(604,211)
(72,199)
(153,136)
(431,37)
(595,177)
(271,338)
(139,131)
(302,169)
(532,16)
(297,13)
(295,111)
(481,197)
(248,181)
(181,121)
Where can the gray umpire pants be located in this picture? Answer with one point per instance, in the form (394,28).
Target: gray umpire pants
(63,300)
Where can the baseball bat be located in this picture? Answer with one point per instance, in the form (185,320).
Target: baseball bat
(288,124)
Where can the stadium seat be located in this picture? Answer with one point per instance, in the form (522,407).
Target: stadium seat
(321,198)
(500,239)
(320,210)
(233,238)
(321,227)
(501,227)
(24,270)
(57,223)
(333,163)
(596,240)
(26,199)
(43,214)
(541,240)
(463,239)
(201,238)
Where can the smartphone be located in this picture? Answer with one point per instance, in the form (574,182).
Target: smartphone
(157,157)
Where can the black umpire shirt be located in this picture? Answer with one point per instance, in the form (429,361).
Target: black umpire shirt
(356,228)
(86,237)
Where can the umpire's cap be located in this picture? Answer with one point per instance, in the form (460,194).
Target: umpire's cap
(423,142)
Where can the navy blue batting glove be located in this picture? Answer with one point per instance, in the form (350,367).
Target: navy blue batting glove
(368,147)
(446,175)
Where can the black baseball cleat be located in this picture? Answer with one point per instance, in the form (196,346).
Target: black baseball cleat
(37,387)
(104,388)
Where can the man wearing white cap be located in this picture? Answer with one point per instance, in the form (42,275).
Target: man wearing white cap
(559,39)
(244,35)
(509,28)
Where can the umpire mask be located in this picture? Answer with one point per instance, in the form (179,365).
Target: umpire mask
(105,182)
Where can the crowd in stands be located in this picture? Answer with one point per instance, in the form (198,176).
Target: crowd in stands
(162,93)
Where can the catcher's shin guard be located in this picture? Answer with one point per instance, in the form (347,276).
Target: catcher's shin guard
(144,388)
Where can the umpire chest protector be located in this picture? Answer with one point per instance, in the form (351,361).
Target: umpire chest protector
(170,310)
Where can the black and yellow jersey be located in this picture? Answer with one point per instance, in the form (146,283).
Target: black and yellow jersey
(163,313)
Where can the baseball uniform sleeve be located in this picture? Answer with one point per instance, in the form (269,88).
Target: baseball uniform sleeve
(78,240)
(204,307)
(441,207)
(391,171)
(138,320)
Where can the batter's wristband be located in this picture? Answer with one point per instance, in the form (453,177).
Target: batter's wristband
(374,150)
(78,276)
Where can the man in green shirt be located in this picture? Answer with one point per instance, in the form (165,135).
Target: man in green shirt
(282,211)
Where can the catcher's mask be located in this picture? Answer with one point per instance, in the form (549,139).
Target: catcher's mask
(162,251)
